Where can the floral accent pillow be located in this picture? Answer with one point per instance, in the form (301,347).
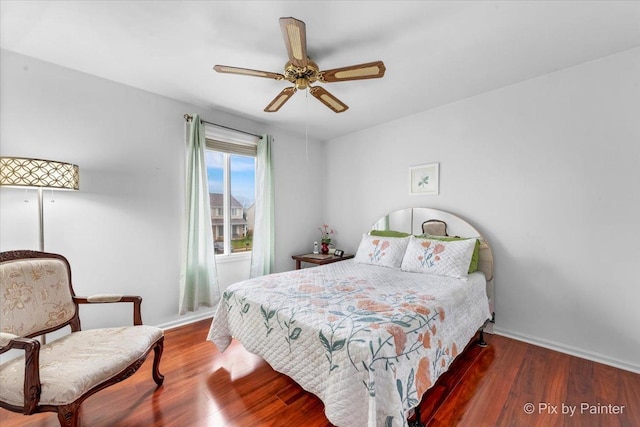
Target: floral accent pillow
(382,251)
(439,257)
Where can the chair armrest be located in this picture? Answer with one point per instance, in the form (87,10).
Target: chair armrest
(5,340)
(32,386)
(111,298)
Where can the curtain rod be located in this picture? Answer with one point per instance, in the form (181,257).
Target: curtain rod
(189,117)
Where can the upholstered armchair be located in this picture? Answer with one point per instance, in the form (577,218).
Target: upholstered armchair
(434,227)
(36,298)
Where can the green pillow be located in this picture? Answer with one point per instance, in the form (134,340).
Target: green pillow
(476,250)
(388,233)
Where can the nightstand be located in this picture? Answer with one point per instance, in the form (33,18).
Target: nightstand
(318,259)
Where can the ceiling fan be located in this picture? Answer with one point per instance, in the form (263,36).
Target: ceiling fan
(302,71)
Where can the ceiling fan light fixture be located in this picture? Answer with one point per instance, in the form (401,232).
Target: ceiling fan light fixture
(302,84)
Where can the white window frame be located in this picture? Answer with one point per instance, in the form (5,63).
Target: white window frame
(228,142)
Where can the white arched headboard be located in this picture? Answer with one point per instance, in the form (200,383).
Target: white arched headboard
(410,220)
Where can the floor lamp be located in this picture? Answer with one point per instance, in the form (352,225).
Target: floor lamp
(40,174)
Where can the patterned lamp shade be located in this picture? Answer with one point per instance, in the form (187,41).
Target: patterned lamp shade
(15,171)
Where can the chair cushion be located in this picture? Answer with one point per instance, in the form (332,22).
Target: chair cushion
(75,363)
(36,295)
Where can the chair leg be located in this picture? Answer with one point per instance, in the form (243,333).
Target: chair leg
(68,415)
(157,376)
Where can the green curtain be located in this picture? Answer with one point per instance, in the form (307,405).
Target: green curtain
(198,276)
(263,251)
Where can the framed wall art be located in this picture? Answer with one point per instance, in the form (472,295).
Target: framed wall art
(424,180)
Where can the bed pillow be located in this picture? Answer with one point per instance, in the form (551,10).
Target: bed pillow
(389,233)
(441,257)
(382,251)
(475,258)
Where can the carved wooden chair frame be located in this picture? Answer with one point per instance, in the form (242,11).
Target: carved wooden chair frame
(68,414)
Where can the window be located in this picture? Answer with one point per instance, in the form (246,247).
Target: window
(231,170)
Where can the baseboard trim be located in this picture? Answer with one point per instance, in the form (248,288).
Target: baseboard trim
(185,320)
(552,345)
(574,351)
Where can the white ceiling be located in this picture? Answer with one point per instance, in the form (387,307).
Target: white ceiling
(435,52)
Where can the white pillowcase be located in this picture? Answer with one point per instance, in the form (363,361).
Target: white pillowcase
(439,257)
(382,251)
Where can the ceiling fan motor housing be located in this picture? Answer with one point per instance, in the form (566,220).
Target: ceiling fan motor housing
(302,77)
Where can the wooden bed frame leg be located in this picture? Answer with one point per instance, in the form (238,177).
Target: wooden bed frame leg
(416,422)
(481,342)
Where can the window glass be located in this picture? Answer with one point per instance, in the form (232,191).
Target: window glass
(232,195)
(243,196)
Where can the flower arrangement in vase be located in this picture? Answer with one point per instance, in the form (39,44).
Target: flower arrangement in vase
(326,232)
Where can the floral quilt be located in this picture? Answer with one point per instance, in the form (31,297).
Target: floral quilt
(367,340)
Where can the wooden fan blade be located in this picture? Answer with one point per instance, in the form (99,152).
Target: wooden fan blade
(295,38)
(329,100)
(370,70)
(247,72)
(279,100)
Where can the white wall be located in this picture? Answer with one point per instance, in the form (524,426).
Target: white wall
(549,170)
(122,230)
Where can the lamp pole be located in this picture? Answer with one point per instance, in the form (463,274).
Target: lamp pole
(41,218)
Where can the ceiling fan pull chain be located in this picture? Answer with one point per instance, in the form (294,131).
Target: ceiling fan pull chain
(306,122)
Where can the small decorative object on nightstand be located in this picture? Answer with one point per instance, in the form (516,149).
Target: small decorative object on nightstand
(325,248)
(326,238)
(319,259)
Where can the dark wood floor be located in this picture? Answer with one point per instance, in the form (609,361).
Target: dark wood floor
(485,387)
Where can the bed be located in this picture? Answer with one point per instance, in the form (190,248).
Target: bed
(369,335)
